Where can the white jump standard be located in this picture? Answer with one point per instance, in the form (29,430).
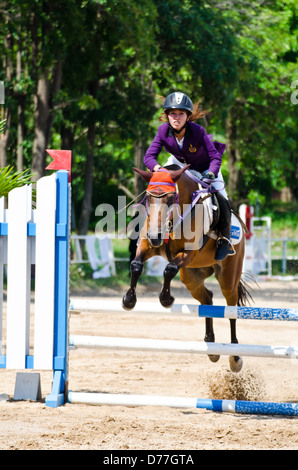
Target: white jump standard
(40,237)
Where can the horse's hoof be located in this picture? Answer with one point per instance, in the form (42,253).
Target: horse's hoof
(236,363)
(167,302)
(213,357)
(128,304)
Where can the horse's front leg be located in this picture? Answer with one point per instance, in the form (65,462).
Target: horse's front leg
(129,299)
(180,261)
(165,297)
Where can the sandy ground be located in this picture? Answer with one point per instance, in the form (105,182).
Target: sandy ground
(31,425)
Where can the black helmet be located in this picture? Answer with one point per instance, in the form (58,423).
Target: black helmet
(178,100)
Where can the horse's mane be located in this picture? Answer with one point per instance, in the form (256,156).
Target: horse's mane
(172,167)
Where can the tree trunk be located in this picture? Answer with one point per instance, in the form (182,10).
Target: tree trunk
(67,137)
(41,116)
(6,111)
(139,183)
(20,112)
(4,138)
(53,90)
(44,103)
(233,158)
(88,183)
(20,152)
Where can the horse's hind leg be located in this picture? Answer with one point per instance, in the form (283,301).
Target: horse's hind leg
(228,276)
(209,331)
(236,362)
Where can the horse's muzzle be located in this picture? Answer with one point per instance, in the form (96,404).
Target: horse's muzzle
(155,241)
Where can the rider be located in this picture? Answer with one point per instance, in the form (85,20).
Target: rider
(189,143)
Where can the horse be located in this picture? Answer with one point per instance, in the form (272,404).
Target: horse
(195,263)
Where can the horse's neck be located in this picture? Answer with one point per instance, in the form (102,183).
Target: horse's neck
(186,188)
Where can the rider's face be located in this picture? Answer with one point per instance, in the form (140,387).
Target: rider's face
(177,118)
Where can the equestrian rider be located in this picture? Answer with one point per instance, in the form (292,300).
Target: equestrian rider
(189,143)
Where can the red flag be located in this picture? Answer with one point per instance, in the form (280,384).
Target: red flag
(62,160)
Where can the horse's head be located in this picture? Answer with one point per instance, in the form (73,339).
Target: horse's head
(161,195)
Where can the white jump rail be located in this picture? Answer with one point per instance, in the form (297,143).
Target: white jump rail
(188,347)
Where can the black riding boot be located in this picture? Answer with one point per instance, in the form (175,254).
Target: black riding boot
(224,229)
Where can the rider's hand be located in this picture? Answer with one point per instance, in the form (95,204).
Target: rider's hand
(208,175)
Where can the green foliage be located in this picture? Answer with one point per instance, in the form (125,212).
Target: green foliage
(117,56)
(267,64)
(2,125)
(10,180)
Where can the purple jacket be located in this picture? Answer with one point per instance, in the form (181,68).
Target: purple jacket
(197,150)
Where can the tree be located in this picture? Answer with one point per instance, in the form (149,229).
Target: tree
(111,54)
(85,75)
(260,126)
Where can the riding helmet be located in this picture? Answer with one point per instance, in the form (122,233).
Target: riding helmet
(178,100)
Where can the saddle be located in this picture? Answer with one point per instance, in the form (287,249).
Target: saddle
(211,211)
(211,204)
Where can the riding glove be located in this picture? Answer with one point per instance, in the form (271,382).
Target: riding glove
(208,175)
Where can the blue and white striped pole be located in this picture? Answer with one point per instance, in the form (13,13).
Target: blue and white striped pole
(249,407)
(250,313)
(201,311)
(230,406)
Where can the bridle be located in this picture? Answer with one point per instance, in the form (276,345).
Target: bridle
(204,189)
(157,188)
(169,217)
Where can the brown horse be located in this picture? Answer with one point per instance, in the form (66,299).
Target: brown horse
(195,265)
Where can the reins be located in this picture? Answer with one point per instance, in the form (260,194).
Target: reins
(206,188)
(196,195)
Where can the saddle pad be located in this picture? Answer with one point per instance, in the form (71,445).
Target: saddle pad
(236,230)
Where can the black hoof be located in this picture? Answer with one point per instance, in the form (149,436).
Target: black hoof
(213,357)
(128,303)
(167,302)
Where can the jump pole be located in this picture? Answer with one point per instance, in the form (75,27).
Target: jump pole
(232,406)
(190,347)
(201,311)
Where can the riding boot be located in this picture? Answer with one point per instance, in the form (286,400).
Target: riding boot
(224,228)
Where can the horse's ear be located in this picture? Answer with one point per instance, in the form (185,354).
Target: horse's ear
(146,175)
(176,174)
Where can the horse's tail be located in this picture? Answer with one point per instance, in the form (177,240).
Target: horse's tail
(244,295)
